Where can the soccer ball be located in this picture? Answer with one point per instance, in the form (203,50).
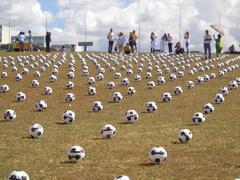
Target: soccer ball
(9,114)
(189,84)
(108,131)
(178,90)
(53,78)
(25,71)
(91,80)
(208,108)
(219,98)
(212,76)
(206,77)
(68,117)
(223,91)
(91,91)
(137,78)
(122,177)
(41,105)
(150,84)
(131,116)
(184,135)
(233,85)
(166,97)
(110,85)
(131,90)
(125,81)
(76,153)
(99,77)
(97,106)
(14,69)
(55,71)
(157,155)
(221,73)
(18,175)
(199,80)
(37,74)
(35,131)
(69,85)
(148,75)
(4,88)
(198,118)
(69,97)
(85,72)
(129,72)
(180,74)
(161,80)
(35,83)
(151,106)
(117,97)
(18,77)
(47,91)
(70,75)
(20,96)
(4,74)
(117,75)
(172,77)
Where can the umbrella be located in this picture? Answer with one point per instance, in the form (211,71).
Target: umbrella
(217,28)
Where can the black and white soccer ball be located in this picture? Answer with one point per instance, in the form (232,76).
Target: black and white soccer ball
(224,91)
(85,72)
(4,74)
(198,118)
(20,97)
(91,80)
(161,80)
(4,88)
(37,74)
(54,71)
(219,98)
(76,153)
(131,116)
(18,175)
(151,106)
(110,85)
(9,114)
(184,135)
(122,177)
(35,83)
(150,84)
(18,77)
(189,84)
(70,75)
(199,80)
(157,155)
(14,69)
(47,91)
(41,105)
(166,97)
(108,131)
(117,97)
(97,106)
(117,75)
(206,77)
(35,131)
(125,81)
(233,85)
(172,77)
(131,90)
(68,117)
(99,77)
(25,71)
(148,75)
(69,85)
(180,74)
(208,108)
(212,76)
(178,90)
(137,77)
(69,97)
(52,78)
(92,91)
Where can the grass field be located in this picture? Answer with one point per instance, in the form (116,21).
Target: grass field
(213,152)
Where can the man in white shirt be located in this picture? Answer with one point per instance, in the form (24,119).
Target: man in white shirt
(21,38)
(110,37)
(207,39)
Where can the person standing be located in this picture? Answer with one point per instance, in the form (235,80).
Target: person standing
(131,42)
(162,43)
(170,43)
(21,38)
(187,40)
(30,40)
(218,44)
(207,39)
(134,40)
(121,42)
(48,40)
(110,37)
(152,38)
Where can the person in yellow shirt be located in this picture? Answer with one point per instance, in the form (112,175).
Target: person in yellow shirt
(134,40)
(218,44)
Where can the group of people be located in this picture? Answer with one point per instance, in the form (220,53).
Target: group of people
(167,39)
(22,39)
(120,43)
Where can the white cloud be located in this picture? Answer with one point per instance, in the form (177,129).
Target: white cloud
(159,16)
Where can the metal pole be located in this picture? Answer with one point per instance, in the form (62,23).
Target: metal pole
(139,27)
(219,19)
(9,30)
(180,24)
(46,24)
(85,24)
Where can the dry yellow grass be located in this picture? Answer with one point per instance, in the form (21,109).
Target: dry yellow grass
(213,153)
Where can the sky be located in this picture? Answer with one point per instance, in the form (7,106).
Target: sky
(66,19)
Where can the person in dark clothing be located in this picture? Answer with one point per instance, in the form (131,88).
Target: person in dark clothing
(131,42)
(48,40)
(179,48)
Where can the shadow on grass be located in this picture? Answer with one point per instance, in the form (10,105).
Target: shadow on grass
(112,102)
(148,164)
(66,162)
(3,121)
(27,137)
(100,138)
(90,111)
(122,123)
(62,123)
(191,124)
(176,142)
(145,112)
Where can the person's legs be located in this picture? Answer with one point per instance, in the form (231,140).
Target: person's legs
(187,47)
(132,46)
(21,46)
(205,50)
(209,51)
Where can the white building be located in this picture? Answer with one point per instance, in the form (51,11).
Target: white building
(4,35)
